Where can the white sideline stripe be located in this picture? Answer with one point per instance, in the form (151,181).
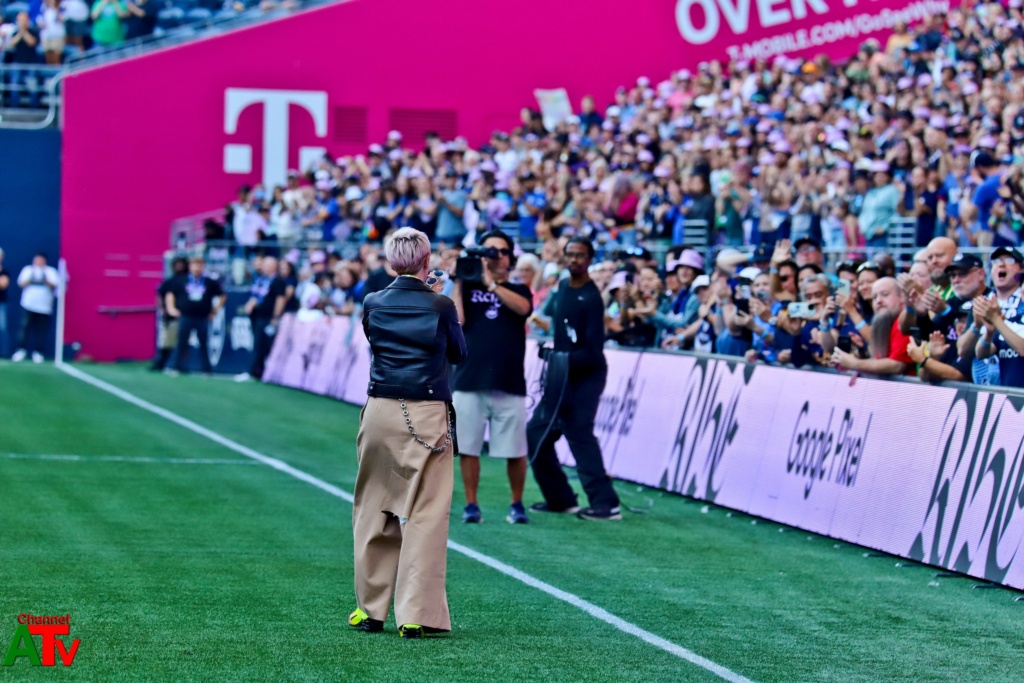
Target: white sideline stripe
(508,570)
(124,458)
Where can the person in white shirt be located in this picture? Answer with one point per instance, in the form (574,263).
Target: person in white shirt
(38,284)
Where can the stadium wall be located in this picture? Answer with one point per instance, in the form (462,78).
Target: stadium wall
(933,474)
(29,208)
(175,132)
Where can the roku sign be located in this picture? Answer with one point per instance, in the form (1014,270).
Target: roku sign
(737,15)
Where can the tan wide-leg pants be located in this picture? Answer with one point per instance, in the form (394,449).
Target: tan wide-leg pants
(403,497)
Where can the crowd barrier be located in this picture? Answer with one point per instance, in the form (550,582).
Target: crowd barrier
(933,474)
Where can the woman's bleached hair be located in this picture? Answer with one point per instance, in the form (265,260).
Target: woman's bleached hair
(406,250)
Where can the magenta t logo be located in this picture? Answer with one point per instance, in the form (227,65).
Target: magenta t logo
(238,158)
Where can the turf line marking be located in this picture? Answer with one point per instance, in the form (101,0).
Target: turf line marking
(124,458)
(588,607)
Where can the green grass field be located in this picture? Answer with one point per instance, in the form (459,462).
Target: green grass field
(219,568)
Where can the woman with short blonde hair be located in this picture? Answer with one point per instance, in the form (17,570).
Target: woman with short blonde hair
(406,442)
(406,250)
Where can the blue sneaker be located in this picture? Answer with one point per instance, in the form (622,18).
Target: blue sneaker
(517,514)
(471,514)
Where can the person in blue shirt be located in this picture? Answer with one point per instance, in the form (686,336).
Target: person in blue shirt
(531,207)
(987,193)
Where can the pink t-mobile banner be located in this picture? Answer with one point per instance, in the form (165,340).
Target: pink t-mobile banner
(929,473)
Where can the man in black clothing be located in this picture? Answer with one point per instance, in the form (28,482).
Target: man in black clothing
(264,308)
(168,325)
(579,332)
(22,48)
(194,300)
(490,385)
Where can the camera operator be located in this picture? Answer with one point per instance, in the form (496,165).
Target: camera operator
(579,332)
(490,386)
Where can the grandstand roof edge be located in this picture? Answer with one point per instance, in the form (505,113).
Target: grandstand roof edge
(72,73)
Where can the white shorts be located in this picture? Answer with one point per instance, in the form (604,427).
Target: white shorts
(506,414)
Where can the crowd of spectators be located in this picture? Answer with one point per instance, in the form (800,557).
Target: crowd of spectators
(926,127)
(45,32)
(746,209)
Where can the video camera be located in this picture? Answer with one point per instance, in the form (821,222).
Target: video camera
(469,267)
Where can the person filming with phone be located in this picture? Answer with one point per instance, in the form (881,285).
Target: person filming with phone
(825,325)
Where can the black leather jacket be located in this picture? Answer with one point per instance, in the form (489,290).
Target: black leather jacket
(415,337)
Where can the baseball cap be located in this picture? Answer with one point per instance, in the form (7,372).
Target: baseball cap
(806,240)
(749,273)
(700,281)
(981,159)
(963,262)
(1007,251)
(763,252)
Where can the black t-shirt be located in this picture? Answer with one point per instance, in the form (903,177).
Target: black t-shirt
(946,324)
(194,296)
(377,280)
(266,290)
(23,53)
(496,339)
(165,288)
(3,290)
(292,304)
(138,27)
(579,328)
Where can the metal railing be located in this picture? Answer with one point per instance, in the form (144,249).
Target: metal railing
(31,95)
(188,235)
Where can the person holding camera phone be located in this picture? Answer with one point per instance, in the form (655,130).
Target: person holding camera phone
(407,439)
(490,386)
(825,325)
(39,283)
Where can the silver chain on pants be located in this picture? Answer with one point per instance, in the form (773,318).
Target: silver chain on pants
(408,421)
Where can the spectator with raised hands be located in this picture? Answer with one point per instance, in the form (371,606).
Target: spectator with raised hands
(39,283)
(21,49)
(1003,339)
(108,18)
(1005,265)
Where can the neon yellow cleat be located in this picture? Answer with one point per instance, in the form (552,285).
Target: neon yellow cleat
(410,631)
(362,621)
